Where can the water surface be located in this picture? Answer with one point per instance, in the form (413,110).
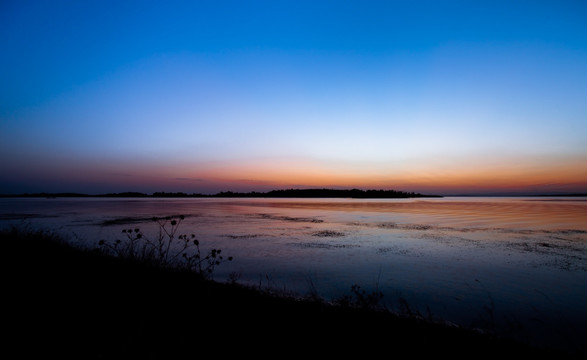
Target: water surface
(517,266)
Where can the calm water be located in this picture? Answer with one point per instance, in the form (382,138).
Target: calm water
(517,266)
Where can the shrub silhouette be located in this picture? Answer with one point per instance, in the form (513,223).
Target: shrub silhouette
(167,250)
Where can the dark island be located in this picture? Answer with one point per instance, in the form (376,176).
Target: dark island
(328,193)
(287,193)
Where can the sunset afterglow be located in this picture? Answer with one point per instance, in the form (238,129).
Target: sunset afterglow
(200,97)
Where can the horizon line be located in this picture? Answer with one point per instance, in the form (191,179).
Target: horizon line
(333,193)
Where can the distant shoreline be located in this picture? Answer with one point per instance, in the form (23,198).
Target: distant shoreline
(290,193)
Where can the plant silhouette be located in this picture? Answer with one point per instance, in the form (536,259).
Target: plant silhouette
(166,250)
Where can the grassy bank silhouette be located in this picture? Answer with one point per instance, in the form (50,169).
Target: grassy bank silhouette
(67,301)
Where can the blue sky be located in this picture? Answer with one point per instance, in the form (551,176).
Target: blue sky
(205,96)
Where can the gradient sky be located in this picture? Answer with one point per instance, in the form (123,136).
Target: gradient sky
(444,97)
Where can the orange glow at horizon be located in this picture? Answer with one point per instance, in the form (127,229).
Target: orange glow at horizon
(496,176)
(440,176)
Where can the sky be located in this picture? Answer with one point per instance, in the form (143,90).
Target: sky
(443,97)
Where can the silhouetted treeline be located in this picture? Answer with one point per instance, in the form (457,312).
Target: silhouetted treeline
(309,193)
(333,193)
(289,193)
(305,193)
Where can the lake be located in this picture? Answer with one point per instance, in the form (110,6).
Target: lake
(513,265)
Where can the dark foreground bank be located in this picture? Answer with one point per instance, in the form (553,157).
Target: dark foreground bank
(60,301)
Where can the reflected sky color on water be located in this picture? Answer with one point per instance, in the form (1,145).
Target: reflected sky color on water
(514,265)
